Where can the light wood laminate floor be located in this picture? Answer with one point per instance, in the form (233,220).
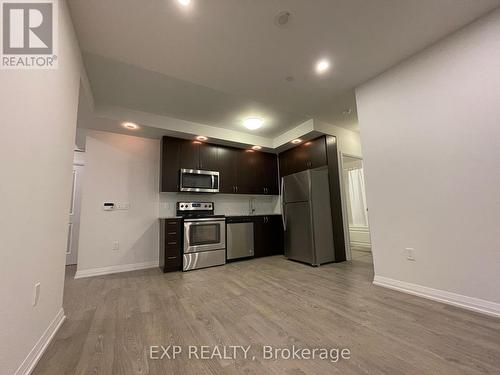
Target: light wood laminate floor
(112,321)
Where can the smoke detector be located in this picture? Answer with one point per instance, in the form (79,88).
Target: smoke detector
(282,18)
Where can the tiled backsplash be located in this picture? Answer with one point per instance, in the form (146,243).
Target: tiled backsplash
(225,204)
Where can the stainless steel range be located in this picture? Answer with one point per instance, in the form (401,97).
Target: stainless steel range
(204,235)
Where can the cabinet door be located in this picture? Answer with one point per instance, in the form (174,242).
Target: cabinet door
(170,164)
(268,236)
(190,154)
(316,152)
(209,157)
(276,235)
(267,171)
(246,172)
(260,237)
(311,154)
(228,158)
(292,161)
(284,161)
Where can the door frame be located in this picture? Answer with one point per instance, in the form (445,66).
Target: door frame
(76,195)
(345,215)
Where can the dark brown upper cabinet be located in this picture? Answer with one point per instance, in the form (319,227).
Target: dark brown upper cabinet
(267,174)
(309,155)
(170,163)
(228,166)
(241,171)
(198,155)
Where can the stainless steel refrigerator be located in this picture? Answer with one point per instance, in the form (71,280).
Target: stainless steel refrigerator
(307,217)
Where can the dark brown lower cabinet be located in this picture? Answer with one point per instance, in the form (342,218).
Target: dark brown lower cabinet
(170,245)
(268,235)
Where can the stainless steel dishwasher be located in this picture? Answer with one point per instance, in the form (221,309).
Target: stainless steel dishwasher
(239,241)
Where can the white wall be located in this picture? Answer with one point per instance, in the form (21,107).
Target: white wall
(430,131)
(225,204)
(37,130)
(348,142)
(119,168)
(122,168)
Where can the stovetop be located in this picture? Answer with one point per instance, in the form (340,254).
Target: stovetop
(196,210)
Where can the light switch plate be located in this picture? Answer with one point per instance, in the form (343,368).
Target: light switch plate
(410,253)
(122,205)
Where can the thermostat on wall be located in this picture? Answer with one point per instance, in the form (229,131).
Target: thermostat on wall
(108,206)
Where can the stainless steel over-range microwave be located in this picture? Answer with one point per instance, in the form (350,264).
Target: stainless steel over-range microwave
(198,181)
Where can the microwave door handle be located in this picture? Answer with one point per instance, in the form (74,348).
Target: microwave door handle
(213,181)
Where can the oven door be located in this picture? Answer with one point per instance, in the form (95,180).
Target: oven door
(204,235)
(198,181)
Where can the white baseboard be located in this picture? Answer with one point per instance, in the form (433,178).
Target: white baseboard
(115,269)
(36,353)
(469,303)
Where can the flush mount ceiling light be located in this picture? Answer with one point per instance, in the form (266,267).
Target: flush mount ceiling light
(252,123)
(297,141)
(256,148)
(201,138)
(130,125)
(184,3)
(322,66)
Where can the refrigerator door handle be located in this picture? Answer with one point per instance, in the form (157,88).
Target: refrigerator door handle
(283,216)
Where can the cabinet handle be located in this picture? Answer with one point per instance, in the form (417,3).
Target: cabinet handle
(172,223)
(172,232)
(236,188)
(172,243)
(171,257)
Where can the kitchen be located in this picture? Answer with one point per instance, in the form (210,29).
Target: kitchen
(200,236)
(217,174)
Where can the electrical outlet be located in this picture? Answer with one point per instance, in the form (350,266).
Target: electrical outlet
(116,245)
(410,253)
(36,294)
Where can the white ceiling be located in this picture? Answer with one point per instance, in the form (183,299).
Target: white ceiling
(219,61)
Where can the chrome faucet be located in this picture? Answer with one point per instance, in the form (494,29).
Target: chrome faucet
(251,206)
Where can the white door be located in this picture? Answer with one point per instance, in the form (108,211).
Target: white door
(74,216)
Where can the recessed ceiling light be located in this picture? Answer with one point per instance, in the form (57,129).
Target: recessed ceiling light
(322,66)
(130,125)
(252,123)
(282,18)
(256,147)
(201,138)
(184,2)
(297,141)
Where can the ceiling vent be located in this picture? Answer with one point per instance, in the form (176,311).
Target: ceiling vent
(282,18)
